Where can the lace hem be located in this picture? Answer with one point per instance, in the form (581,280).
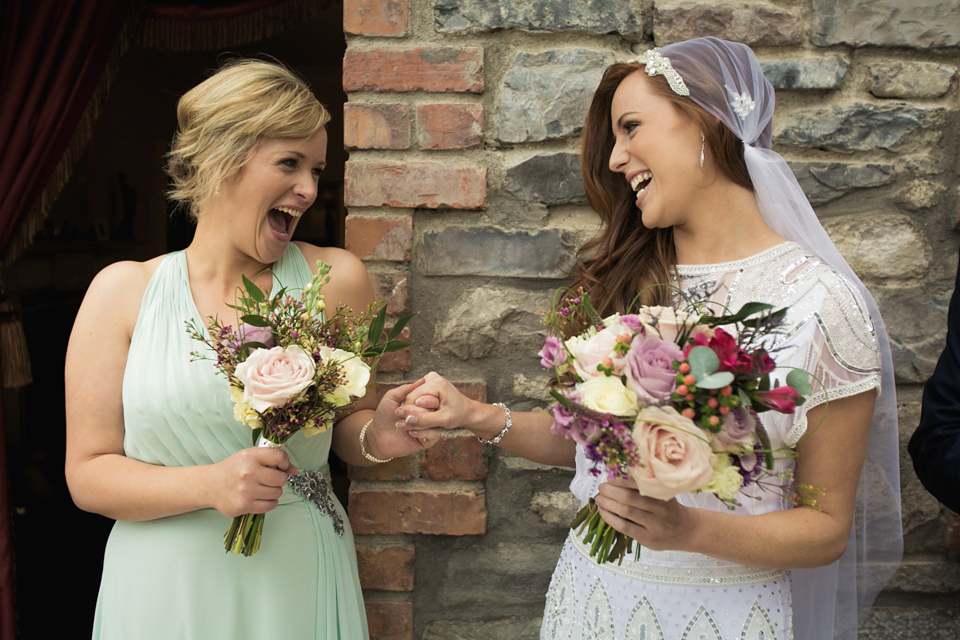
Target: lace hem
(816,399)
(700,575)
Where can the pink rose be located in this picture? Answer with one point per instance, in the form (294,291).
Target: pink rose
(782,399)
(675,454)
(597,349)
(272,377)
(648,367)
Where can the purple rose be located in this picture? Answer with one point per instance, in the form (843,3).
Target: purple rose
(632,322)
(553,354)
(248,333)
(737,432)
(648,366)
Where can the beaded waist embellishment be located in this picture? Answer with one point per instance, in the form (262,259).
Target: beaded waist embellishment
(313,487)
(698,575)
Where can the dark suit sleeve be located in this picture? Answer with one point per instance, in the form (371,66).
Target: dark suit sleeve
(935,445)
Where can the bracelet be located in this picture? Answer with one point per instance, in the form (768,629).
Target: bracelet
(363,449)
(497,438)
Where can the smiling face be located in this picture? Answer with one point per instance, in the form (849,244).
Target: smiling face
(262,203)
(658,152)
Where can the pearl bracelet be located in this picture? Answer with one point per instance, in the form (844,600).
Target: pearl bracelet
(497,438)
(363,449)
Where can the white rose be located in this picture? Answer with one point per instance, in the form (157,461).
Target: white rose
(590,352)
(674,454)
(272,377)
(355,372)
(726,480)
(607,394)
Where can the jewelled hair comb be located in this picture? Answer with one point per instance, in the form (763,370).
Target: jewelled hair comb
(657,64)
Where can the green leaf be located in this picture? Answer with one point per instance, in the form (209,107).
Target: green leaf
(746,311)
(399,325)
(395,345)
(717,380)
(800,381)
(252,289)
(703,362)
(256,435)
(255,320)
(559,397)
(376,327)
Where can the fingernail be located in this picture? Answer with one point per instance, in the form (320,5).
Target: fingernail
(421,402)
(411,419)
(398,412)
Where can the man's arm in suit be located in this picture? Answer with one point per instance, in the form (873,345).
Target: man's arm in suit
(935,445)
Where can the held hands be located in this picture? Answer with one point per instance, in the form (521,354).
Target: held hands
(384,441)
(656,524)
(436,404)
(250,481)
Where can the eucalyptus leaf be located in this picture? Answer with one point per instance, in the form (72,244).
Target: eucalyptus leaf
(717,380)
(703,362)
(800,381)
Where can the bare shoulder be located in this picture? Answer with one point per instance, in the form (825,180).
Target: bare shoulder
(349,280)
(116,292)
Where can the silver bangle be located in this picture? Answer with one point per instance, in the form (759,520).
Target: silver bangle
(497,438)
(363,449)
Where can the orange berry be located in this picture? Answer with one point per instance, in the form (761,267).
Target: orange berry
(682,390)
(689,413)
(684,367)
(690,380)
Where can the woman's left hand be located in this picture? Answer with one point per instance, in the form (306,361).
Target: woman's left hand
(384,440)
(656,524)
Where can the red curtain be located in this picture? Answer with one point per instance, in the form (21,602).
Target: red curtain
(51,57)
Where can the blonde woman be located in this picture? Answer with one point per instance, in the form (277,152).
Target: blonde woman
(151,437)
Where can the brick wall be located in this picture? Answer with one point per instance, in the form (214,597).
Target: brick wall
(465,201)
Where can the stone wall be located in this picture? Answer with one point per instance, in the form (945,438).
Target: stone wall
(465,200)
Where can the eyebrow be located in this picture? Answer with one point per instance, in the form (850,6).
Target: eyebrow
(624,115)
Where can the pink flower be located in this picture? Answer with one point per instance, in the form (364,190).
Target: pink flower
(648,366)
(565,424)
(782,399)
(272,377)
(553,354)
(762,362)
(592,351)
(248,333)
(732,357)
(669,323)
(674,453)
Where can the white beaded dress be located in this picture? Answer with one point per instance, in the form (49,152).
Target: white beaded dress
(679,596)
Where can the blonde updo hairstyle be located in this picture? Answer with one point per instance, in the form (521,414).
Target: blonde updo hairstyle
(222,120)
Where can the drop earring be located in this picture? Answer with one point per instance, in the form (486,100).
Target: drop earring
(702,143)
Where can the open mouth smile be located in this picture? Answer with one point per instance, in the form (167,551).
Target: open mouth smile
(281,220)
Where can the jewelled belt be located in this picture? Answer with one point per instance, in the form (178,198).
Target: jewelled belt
(313,487)
(698,574)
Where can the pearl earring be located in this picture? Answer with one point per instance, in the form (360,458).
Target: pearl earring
(702,143)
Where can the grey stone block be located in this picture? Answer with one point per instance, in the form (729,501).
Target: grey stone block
(808,73)
(897,79)
(594,16)
(826,181)
(549,178)
(456,251)
(920,24)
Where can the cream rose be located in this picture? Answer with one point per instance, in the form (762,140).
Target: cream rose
(242,411)
(271,377)
(667,322)
(589,352)
(607,394)
(355,372)
(726,480)
(675,454)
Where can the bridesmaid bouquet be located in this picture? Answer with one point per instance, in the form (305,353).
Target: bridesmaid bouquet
(291,368)
(668,398)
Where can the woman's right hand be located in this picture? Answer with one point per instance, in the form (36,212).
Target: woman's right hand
(250,481)
(446,407)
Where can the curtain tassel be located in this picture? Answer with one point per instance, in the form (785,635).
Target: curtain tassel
(14,357)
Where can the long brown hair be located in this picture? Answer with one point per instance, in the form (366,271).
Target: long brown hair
(625,258)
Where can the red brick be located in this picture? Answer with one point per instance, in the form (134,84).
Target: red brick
(397,361)
(431,185)
(449,126)
(386,568)
(395,287)
(376,126)
(376,17)
(373,238)
(452,513)
(455,457)
(439,69)
(397,470)
(390,620)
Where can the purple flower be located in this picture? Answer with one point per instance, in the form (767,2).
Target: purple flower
(553,354)
(248,333)
(737,430)
(648,366)
(632,322)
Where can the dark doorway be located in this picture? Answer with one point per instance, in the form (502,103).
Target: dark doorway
(114,209)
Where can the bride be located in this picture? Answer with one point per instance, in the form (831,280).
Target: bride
(676,160)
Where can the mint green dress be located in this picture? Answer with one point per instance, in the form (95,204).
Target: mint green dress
(170,578)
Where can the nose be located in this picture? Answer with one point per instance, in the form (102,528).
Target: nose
(619,156)
(306,187)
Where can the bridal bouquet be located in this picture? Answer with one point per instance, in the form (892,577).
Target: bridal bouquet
(668,398)
(290,368)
